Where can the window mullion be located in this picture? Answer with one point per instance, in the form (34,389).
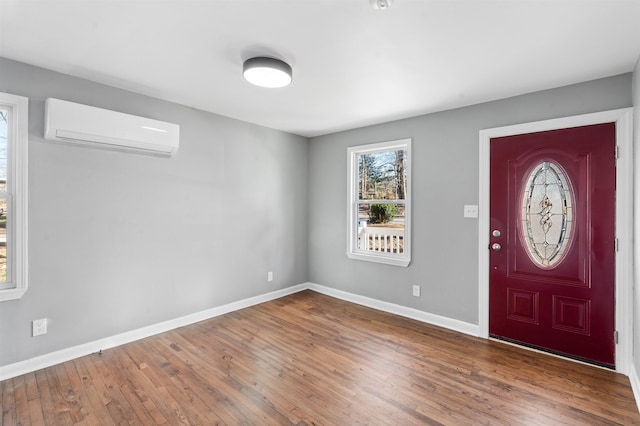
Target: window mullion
(381,202)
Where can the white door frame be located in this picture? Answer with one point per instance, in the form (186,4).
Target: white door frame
(624,218)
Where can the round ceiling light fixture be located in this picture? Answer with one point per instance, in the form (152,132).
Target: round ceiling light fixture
(267,72)
(381,4)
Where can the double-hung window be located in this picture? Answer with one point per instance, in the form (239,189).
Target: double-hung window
(379,218)
(13,196)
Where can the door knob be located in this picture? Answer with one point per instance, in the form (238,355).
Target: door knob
(496,246)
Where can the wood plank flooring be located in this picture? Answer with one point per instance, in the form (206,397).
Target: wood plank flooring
(309,359)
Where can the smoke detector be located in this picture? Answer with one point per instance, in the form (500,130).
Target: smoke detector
(381,4)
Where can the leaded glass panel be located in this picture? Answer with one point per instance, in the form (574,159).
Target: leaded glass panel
(547,214)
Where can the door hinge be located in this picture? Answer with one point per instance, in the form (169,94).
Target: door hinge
(617,152)
(615,244)
(615,336)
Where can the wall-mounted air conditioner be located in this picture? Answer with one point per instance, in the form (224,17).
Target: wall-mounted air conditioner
(101,128)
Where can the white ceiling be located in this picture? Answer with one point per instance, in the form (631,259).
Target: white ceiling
(353,65)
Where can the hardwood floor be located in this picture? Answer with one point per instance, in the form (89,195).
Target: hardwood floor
(309,359)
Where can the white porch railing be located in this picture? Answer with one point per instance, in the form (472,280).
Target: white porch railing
(389,240)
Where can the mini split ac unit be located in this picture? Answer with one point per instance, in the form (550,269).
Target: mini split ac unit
(101,128)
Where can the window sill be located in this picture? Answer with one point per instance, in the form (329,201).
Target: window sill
(12,294)
(377,258)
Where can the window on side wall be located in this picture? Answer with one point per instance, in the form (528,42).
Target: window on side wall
(13,196)
(379,219)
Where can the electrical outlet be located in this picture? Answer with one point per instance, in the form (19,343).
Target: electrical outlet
(416,290)
(39,327)
(269,276)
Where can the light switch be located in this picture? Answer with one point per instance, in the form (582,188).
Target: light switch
(470,210)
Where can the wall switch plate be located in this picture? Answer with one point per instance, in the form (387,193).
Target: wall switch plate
(470,210)
(269,276)
(39,327)
(416,290)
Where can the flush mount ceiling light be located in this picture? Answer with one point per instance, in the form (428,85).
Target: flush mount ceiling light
(267,72)
(381,4)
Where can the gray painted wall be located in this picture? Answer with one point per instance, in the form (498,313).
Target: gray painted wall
(120,241)
(445,178)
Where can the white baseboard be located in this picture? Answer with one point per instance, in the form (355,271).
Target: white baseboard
(23,367)
(43,361)
(53,358)
(452,324)
(635,384)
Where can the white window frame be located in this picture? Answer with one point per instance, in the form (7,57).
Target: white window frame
(17,154)
(353,252)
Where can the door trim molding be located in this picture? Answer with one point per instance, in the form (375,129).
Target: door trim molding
(624,218)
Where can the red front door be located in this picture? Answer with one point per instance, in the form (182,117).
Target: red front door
(552,241)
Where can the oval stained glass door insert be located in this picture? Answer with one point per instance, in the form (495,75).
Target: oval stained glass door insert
(547,214)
